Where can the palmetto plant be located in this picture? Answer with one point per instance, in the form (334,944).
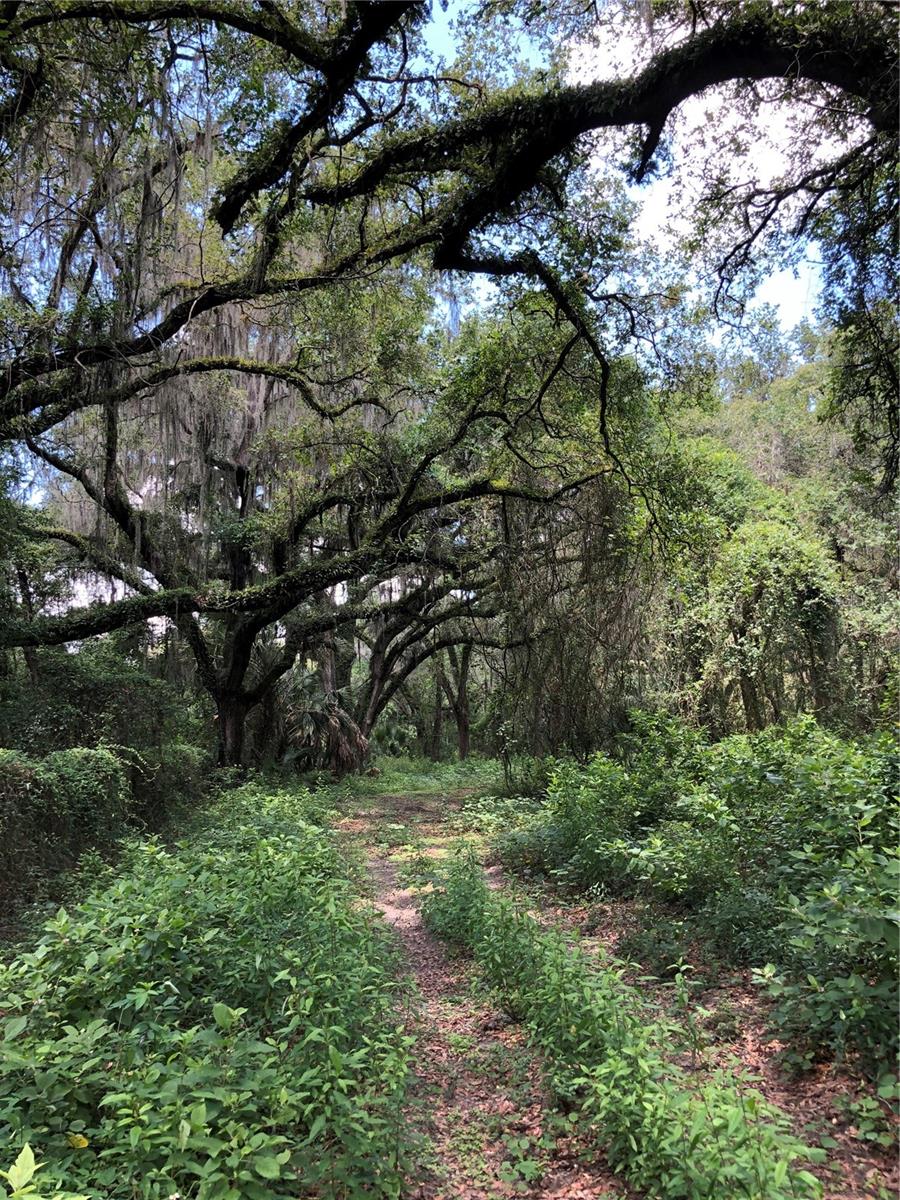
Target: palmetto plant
(301,725)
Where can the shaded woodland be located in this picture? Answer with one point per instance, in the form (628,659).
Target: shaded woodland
(356,431)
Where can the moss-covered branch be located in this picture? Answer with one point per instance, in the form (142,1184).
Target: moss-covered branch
(850,47)
(81,623)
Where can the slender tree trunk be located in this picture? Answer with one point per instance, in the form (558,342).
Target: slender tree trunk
(28,653)
(463,732)
(752,711)
(437,734)
(463,719)
(458,694)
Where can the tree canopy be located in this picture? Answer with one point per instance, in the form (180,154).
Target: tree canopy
(236,238)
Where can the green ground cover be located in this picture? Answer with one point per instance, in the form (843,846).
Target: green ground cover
(214,1019)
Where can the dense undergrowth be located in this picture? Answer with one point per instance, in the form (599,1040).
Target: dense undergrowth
(54,808)
(664,1131)
(94,749)
(213,1020)
(776,850)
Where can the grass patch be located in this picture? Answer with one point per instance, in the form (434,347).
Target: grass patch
(413,776)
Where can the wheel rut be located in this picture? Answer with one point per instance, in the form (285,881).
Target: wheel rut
(485,1127)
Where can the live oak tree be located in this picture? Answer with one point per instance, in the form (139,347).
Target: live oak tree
(220,230)
(264,508)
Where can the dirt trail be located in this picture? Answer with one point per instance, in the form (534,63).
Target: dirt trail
(489,1128)
(478,1103)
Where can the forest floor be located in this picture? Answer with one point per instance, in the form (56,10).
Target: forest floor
(487,1126)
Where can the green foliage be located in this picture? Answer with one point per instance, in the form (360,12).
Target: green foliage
(53,808)
(873,1118)
(411,775)
(214,1019)
(491,814)
(659,947)
(102,697)
(778,848)
(836,983)
(782,600)
(98,695)
(660,1127)
(20,1179)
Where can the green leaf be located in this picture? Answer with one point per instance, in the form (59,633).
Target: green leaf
(266,1165)
(14,1027)
(223,1015)
(23,1168)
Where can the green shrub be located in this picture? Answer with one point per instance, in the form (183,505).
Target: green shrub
(21,1179)
(659,946)
(682,863)
(577,836)
(493,814)
(664,1131)
(103,694)
(741,924)
(530,774)
(215,1020)
(664,757)
(52,809)
(164,777)
(777,848)
(835,984)
(101,697)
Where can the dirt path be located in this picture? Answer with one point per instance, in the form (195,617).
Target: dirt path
(487,1128)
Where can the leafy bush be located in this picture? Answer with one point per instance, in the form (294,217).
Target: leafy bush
(663,757)
(530,774)
(99,698)
(836,982)
(779,848)
(99,695)
(742,925)
(681,862)
(663,1130)
(51,809)
(164,777)
(215,1020)
(492,814)
(21,1179)
(660,947)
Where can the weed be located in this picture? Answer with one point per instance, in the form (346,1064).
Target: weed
(217,1020)
(662,1129)
(873,1118)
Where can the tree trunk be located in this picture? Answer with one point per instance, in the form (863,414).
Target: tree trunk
(28,653)
(752,712)
(463,732)
(458,695)
(437,731)
(232,715)
(463,722)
